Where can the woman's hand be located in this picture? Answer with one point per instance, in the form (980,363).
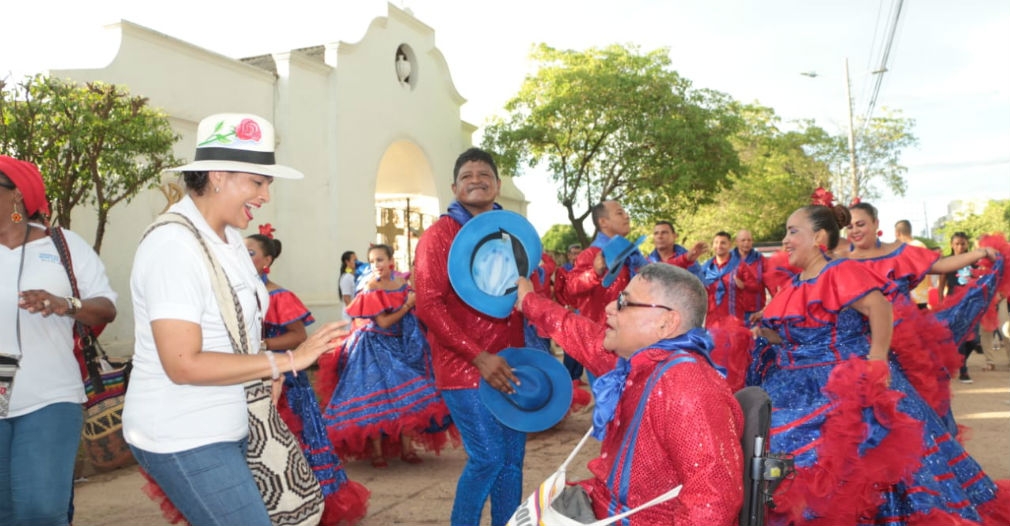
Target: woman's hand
(325,339)
(988,252)
(43,303)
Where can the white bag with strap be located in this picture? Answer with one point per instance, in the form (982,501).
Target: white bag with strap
(537,510)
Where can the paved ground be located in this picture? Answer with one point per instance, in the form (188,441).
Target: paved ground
(422,494)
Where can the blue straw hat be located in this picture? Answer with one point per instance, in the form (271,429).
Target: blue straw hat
(488,255)
(542,397)
(614,253)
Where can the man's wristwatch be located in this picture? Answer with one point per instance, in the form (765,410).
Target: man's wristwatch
(73,305)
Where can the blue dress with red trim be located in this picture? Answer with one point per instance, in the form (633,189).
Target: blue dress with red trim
(385,383)
(346,501)
(866,452)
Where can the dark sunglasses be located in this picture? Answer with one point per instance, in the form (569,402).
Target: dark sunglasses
(622,302)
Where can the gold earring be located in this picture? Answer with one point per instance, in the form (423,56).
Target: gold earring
(16,216)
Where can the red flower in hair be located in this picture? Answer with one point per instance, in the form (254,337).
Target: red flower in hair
(267,230)
(855,201)
(822,197)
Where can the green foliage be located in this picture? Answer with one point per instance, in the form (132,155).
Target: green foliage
(994,218)
(614,123)
(558,238)
(879,144)
(930,243)
(94,144)
(778,177)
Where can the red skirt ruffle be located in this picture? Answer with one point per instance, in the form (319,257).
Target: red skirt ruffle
(844,487)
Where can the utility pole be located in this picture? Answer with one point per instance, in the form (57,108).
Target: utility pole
(852,135)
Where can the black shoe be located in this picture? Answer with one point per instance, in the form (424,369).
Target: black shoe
(965,379)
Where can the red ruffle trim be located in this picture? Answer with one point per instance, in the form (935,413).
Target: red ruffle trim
(347,506)
(844,487)
(326,376)
(778,273)
(285,308)
(371,303)
(926,351)
(990,320)
(154,492)
(734,344)
(355,443)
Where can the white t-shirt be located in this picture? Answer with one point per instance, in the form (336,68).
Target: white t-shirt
(48,372)
(170,280)
(346,289)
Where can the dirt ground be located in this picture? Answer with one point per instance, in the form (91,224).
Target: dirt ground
(422,494)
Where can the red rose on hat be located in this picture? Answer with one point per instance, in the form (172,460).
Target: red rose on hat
(248,130)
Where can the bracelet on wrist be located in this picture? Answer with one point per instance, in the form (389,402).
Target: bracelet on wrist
(274,372)
(73,305)
(291,360)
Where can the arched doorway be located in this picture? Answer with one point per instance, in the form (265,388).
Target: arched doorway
(405,200)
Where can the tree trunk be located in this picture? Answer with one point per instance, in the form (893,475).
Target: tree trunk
(103,216)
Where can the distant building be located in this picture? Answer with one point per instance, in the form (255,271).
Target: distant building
(375,126)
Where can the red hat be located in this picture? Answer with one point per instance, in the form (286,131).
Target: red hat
(27,178)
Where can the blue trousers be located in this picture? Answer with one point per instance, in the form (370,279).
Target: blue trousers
(37,454)
(211,485)
(494,466)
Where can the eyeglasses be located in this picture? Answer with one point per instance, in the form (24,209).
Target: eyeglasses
(622,302)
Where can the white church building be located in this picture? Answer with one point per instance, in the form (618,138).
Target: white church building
(375,126)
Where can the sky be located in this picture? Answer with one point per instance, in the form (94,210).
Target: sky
(948,67)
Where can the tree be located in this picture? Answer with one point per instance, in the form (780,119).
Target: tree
(778,176)
(879,144)
(558,238)
(94,143)
(994,218)
(613,123)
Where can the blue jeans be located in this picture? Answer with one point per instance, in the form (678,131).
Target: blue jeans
(211,485)
(37,454)
(494,466)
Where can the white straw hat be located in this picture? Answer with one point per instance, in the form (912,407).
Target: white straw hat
(237,142)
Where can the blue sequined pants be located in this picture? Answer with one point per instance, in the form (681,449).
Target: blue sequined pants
(495,464)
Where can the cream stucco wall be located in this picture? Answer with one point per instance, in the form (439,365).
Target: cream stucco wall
(341,116)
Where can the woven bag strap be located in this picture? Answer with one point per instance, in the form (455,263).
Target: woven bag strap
(227,301)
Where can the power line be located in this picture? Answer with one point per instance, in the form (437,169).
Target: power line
(873,48)
(882,67)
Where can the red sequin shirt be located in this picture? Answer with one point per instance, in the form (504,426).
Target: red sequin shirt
(689,433)
(456,332)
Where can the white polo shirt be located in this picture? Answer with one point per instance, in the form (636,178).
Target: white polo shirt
(170,280)
(48,372)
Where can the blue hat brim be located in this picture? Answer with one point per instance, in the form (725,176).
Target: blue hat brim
(465,244)
(515,417)
(615,262)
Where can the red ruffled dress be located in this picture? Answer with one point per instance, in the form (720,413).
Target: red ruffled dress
(346,501)
(865,452)
(384,383)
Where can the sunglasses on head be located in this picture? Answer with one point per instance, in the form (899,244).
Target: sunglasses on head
(622,302)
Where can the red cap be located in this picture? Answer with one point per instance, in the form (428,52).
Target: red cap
(27,178)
